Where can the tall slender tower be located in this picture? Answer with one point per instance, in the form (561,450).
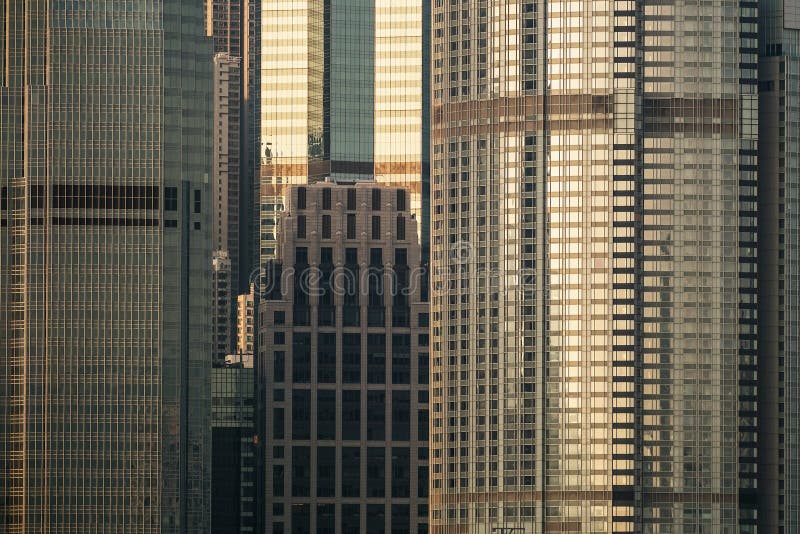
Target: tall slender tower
(342,98)
(594,262)
(779,265)
(104,271)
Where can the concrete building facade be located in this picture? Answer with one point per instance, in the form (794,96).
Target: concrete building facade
(344,362)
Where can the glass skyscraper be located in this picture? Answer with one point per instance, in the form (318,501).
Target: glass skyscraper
(341,97)
(104,170)
(593,239)
(778,268)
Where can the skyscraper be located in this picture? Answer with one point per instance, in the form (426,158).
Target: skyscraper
(778,267)
(344,356)
(104,171)
(594,262)
(341,97)
(234,28)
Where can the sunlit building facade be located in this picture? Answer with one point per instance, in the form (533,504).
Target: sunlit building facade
(105,157)
(342,98)
(593,239)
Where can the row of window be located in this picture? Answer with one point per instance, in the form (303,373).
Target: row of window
(400,227)
(350,482)
(376,197)
(327,362)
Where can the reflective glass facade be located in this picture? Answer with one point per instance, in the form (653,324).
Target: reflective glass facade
(104,169)
(341,97)
(594,261)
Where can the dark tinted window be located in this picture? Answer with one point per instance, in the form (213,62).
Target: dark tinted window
(376,199)
(301,519)
(376,358)
(351,519)
(326,357)
(351,477)
(301,471)
(326,414)
(351,199)
(301,198)
(277,480)
(401,228)
(278,366)
(351,358)
(301,226)
(326,226)
(351,415)
(301,358)
(401,200)
(277,423)
(376,518)
(376,472)
(401,359)
(401,518)
(401,415)
(326,471)
(401,472)
(376,415)
(326,198)
(351,226)
(422,425)
(301,414)
(171,199)
(376,227)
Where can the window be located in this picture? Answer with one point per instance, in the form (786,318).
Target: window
(197,201)
(301,198)
(277,480)
(277,423)
(376,199)
(351,199)
(278,366)
(422,481)
(326,519)
(301,519)
(401,415)
(278,338)
(301,471)
(401,359)
(422,370)
(376,358)
(170,198)
(301,414)
(401,228)
(326,198)
(326,472)
(351,415)
(376,415)
(351,477)
(326,414)
(326,226)
(301,226)
(376,227)
(422,425)
(401,200)
(326,358)
(376,473)
(279,318)
(351,226)
(351,519)
(376,518)
(351,358)
(301,358)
